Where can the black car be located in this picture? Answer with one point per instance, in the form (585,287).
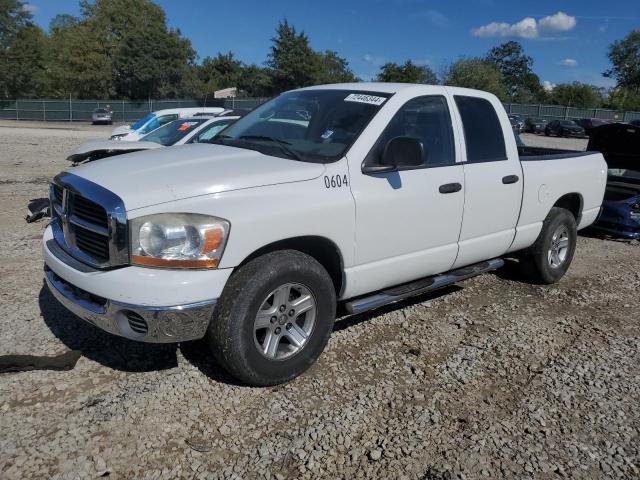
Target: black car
(535,125)
(564,128)
(620,146)
(590,123)
(636,122)
(516,122)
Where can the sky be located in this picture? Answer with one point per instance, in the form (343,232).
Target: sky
(567,39)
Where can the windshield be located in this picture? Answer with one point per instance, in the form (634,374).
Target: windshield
(306,125)
(172,132)
(624,173)
(142,121)
(567,123)
(100,110)
(211,131)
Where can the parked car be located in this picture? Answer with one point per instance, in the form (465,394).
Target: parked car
(179,132)
(535,125)
(564,128)
(102,115)
(517,120)
(635,123)
(590,123)
(154,120)
(321,195)
(620,145)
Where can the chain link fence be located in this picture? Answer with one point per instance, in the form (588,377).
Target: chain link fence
(125,111)
(557,112)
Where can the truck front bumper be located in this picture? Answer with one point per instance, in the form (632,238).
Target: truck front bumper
(148,305)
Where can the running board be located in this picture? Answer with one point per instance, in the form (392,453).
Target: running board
(424,285)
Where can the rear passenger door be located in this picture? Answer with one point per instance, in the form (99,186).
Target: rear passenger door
(493,182)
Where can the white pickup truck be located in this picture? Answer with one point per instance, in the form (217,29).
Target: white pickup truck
(360,194)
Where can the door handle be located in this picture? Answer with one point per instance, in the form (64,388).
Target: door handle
(510,179)
(450,188)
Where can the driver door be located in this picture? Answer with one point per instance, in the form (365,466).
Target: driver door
(408,222)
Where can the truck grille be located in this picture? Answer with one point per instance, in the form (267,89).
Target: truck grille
(89,221)
(90,211)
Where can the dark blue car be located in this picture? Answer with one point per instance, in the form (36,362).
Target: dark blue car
(620,145)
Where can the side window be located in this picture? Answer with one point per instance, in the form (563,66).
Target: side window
(482,130)
(426,119)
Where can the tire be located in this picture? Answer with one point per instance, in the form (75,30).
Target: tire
(538,262)
(547,132)
(243,349)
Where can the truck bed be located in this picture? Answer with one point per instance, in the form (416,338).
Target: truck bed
(527,153)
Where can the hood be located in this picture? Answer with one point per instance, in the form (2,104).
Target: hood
(108,148)
(122,129)
(147,178)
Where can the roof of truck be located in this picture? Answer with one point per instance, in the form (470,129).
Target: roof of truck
(365,86)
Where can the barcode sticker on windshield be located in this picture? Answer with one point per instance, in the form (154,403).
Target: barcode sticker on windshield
(360,98)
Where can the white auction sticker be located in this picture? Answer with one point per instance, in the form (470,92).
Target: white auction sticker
(360,98)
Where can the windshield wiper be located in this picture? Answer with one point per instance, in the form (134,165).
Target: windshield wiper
(283,144)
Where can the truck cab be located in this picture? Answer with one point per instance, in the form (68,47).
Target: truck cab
(361,194)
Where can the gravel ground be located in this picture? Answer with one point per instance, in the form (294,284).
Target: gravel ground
(492,378)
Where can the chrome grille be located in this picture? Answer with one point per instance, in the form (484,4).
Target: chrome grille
(89,222)
(90,211)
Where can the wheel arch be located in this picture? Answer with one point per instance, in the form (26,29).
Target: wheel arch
(323,250)
(573,202)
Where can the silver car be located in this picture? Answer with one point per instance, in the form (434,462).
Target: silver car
(101,115)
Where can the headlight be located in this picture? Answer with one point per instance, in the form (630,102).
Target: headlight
(178,240)
(119,136)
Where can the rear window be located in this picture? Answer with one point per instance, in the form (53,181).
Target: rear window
(482,131)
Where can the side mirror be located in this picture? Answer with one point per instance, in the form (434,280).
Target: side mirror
(399,153)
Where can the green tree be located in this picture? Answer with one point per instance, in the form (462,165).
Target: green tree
(521,84)
(255,81)
(409,72)
(623,99)
(625,59)
(15,62)
(222,71)
(475,73)
(27,75)
(120,48)
(576,94)
(292,61)
(332,68)
(78,64)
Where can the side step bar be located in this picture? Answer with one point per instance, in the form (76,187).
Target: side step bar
(418,287)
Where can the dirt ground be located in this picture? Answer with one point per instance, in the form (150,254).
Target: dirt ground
(493,378)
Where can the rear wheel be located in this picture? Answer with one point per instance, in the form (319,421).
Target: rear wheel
(274,318)
(547,132)
(549,258)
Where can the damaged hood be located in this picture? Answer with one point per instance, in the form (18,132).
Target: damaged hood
(148,178)
(108,148)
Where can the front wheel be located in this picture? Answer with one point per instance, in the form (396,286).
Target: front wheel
(549,258)
(274,318)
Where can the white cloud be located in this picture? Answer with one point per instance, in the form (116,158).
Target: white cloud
(374,60)
(30,8)
(548,86)
(525,28)
(528,27)
(569,62)
(434,17)
(560,22)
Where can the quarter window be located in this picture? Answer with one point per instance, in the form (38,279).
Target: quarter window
(482,131)
(426,119)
